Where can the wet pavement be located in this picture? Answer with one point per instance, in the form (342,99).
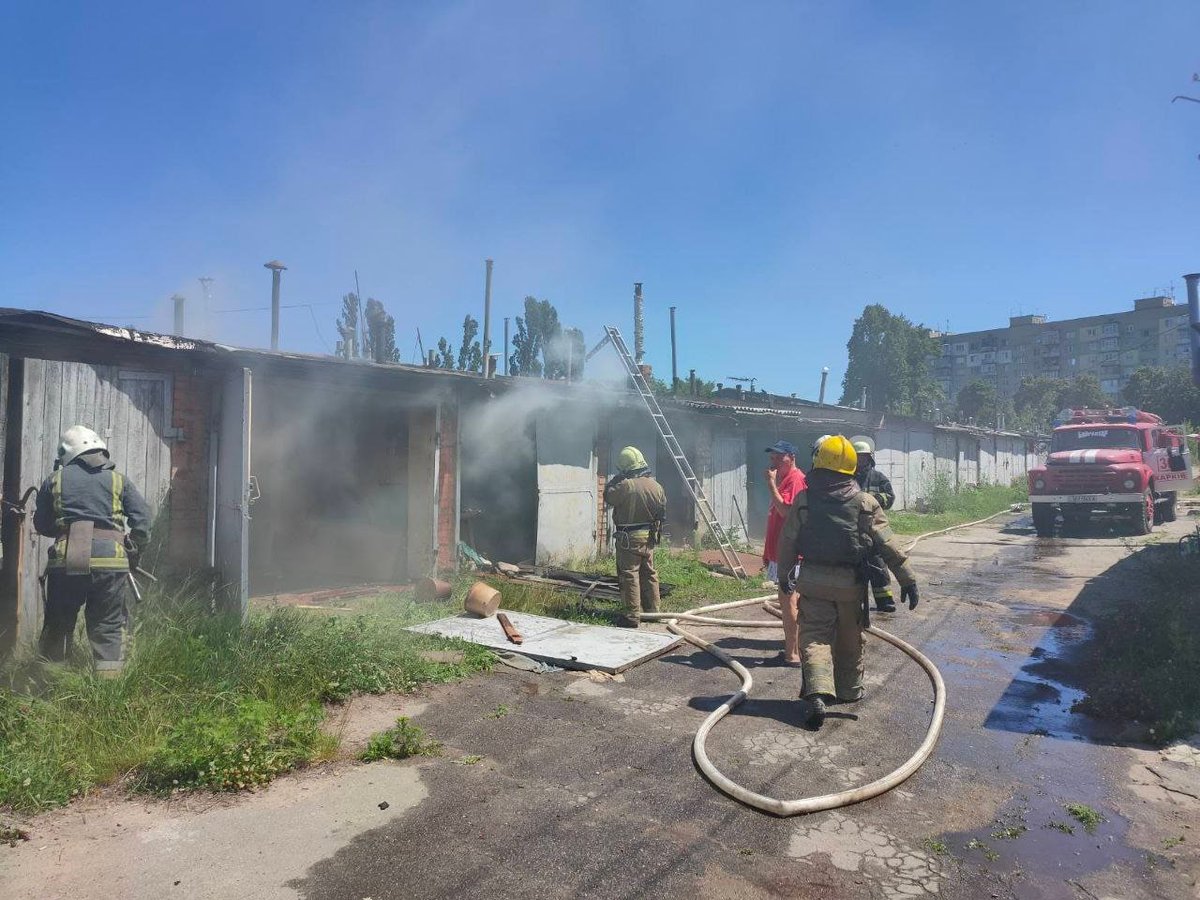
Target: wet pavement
(564,786)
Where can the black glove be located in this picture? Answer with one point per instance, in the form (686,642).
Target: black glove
(908,594)
(133,553)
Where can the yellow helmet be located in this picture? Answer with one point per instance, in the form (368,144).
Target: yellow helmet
(837,454)
(630,458)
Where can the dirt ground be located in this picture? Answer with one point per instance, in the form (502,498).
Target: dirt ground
(563,786)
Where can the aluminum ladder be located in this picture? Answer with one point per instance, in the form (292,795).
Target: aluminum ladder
(673,447)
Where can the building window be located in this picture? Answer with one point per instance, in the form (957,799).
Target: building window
(1110,385)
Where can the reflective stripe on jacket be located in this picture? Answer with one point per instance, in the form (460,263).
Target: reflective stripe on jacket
(90,488)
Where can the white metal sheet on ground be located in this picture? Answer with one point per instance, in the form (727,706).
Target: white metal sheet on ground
(572,645)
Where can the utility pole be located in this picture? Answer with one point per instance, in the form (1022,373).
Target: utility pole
(674,370)
(276,267)
(178,300)
(487,319)
(1193,293)
(824,377)
(639,324)
(506,345)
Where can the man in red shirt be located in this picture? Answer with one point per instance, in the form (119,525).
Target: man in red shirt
(785,481)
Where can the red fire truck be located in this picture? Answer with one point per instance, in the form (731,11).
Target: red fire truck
(1106,462)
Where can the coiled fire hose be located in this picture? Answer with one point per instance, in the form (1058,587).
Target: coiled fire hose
(803,805)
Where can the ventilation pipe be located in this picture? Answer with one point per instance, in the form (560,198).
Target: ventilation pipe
(639,324)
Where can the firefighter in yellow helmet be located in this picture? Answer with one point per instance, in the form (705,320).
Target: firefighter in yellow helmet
(639,508)
(834,527)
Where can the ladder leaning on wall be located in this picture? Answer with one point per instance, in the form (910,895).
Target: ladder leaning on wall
(611,335)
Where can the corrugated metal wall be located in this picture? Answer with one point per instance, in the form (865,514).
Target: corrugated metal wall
(726,487)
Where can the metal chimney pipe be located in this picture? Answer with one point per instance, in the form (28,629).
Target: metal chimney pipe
(487,319)
(864,397)
(506,345)
(639,324)
(432,361)
(276,267)
(1193,292)
(824,378)
(674,371)
(179,301)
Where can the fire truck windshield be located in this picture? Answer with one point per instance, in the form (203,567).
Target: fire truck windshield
(1102,437)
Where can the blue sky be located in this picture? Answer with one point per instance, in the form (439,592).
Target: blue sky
(767,168)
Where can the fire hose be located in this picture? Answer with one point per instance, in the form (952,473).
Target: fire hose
(803,805)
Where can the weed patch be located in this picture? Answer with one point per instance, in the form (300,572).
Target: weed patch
(1084,815)
(1145,651)
(401,741)
(946,507)
(204,701)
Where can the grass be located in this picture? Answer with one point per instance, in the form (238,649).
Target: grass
(945,507)
(205,702)
(209,703)
(1084,815)
(1145,651)
(402,741)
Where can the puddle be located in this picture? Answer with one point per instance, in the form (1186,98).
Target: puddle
(1035,842)
(1039,700)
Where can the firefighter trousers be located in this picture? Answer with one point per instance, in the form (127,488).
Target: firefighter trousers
(638,580)
(831,638)
(104,596)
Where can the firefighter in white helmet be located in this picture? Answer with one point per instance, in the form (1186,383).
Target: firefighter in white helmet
(879,486)
(86,504)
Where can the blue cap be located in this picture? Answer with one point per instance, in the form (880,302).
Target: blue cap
(783,447)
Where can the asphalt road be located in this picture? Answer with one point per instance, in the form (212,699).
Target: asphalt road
(561,786)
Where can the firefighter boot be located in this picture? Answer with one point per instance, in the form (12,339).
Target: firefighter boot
(816,714)
(884,601)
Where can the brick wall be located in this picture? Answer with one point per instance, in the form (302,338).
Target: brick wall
(192,414)
(447,520)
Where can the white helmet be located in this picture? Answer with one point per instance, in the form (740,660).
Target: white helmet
(863,444)
(77,440)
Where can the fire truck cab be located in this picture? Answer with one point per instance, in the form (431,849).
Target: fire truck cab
(1110,462)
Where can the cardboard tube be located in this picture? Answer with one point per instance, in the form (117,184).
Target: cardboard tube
(428,589)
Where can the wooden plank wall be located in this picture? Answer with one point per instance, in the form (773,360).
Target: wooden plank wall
(129,409)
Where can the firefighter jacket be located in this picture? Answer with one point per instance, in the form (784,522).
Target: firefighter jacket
(836,527)
(89,488)
(638,504)
(877,485)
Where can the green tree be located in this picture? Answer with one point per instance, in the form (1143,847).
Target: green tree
(347,326)
(444,358)
(978,402)
(889,356)
(1036,402)
(1170,393)
(526,350)
(470,354)
(381,333)
(1084,390)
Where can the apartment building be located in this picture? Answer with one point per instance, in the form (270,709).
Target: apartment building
(1111,347)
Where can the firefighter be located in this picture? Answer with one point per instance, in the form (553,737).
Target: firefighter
(834,526)
(85,505)
(875,483)
(639,508)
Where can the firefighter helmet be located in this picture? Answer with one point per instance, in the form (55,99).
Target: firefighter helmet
(837,454)
(630,459)
(77,440)
(863,444)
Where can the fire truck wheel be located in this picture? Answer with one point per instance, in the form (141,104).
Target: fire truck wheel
(1043,519)
(1169,511)
(1143,515)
